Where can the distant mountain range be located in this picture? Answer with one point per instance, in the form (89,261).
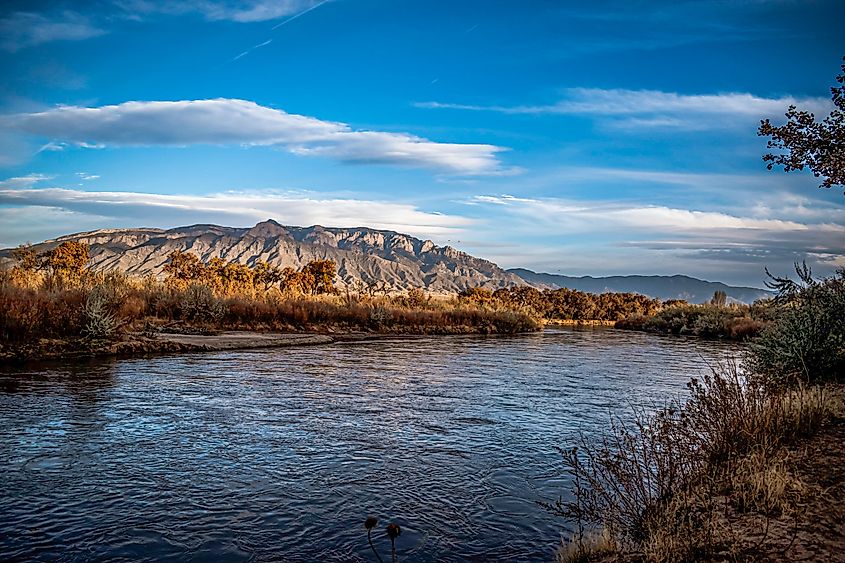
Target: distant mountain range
(693,290)
(364,256)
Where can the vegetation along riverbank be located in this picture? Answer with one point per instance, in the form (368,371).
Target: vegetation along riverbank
(748,468)
(54,305)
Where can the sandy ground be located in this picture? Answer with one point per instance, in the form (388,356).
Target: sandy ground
(817,531)
(236,340)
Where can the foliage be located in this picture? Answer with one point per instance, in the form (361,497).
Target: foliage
(806,341)
(817,145)
(563,304)
(736,322)
(719,299)
(232,278)
(68,261)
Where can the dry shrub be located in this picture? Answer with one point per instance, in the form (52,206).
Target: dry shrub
(28,314)
(591,546)
(743,328)
(653,483)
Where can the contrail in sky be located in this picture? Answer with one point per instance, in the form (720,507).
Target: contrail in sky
(251,49)
(302,13)
(278,25)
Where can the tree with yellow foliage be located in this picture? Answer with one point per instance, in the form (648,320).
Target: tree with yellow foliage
(68,262)
(184,268)
(320,275)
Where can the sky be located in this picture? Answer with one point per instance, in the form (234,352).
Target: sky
(597,138)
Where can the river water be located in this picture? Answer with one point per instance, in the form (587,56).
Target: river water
(281,454)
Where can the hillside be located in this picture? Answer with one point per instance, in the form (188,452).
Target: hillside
(662,287)
(363,255)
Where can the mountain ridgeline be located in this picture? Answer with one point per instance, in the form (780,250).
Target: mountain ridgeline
(364,257)
(690,289)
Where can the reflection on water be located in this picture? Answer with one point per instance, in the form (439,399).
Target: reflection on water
(281,454)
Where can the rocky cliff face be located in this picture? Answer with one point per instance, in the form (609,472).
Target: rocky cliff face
(362,255)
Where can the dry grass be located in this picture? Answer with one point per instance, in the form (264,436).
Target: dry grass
(662,485)
(590,546)
(100,306)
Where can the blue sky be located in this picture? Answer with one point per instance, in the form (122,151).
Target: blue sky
(616,138)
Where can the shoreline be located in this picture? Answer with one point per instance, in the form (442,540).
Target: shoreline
(139,345)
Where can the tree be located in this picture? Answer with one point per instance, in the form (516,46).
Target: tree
(27,259)
(266,275)
(68,260)
(719,298)
(183,268)
(817,145)
(321,275)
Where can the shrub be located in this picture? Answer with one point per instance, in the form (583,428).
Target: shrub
(652,484)
(198,303)
(100,324)
(806,341)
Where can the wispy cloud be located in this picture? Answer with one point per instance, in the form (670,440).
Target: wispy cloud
(230,121)
(670,233)
(653,108)
(22,182)
(230,208)
(576,213)
(28,29)
(215,10)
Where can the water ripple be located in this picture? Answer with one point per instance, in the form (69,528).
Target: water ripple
(280,454)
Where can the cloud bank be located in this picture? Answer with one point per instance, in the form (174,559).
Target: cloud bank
(656,109)
(83,210)
(641,237)
(226,121)
(27,29)
(216,10)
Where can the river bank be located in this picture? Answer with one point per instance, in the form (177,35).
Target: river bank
(131,344)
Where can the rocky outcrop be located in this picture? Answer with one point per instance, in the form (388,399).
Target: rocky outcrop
(362,255)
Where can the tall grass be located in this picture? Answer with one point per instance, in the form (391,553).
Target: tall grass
(98,307)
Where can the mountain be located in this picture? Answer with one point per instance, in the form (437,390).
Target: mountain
(362,254)
(662,287)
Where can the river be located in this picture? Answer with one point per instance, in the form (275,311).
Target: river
(280,454)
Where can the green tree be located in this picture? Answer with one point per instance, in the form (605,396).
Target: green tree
(817,145)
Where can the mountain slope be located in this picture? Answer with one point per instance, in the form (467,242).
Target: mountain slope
(662,287)
(362,254)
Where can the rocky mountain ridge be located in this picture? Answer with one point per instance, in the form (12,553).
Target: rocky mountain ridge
(363,256)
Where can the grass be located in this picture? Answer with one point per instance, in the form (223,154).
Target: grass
(100,307)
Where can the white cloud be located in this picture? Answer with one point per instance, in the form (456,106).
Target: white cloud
(656,109)
(85,177)
(215,10)
(568,214)
(134,209)
(618,237)
(26,29)
(230,121)
(22,182)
